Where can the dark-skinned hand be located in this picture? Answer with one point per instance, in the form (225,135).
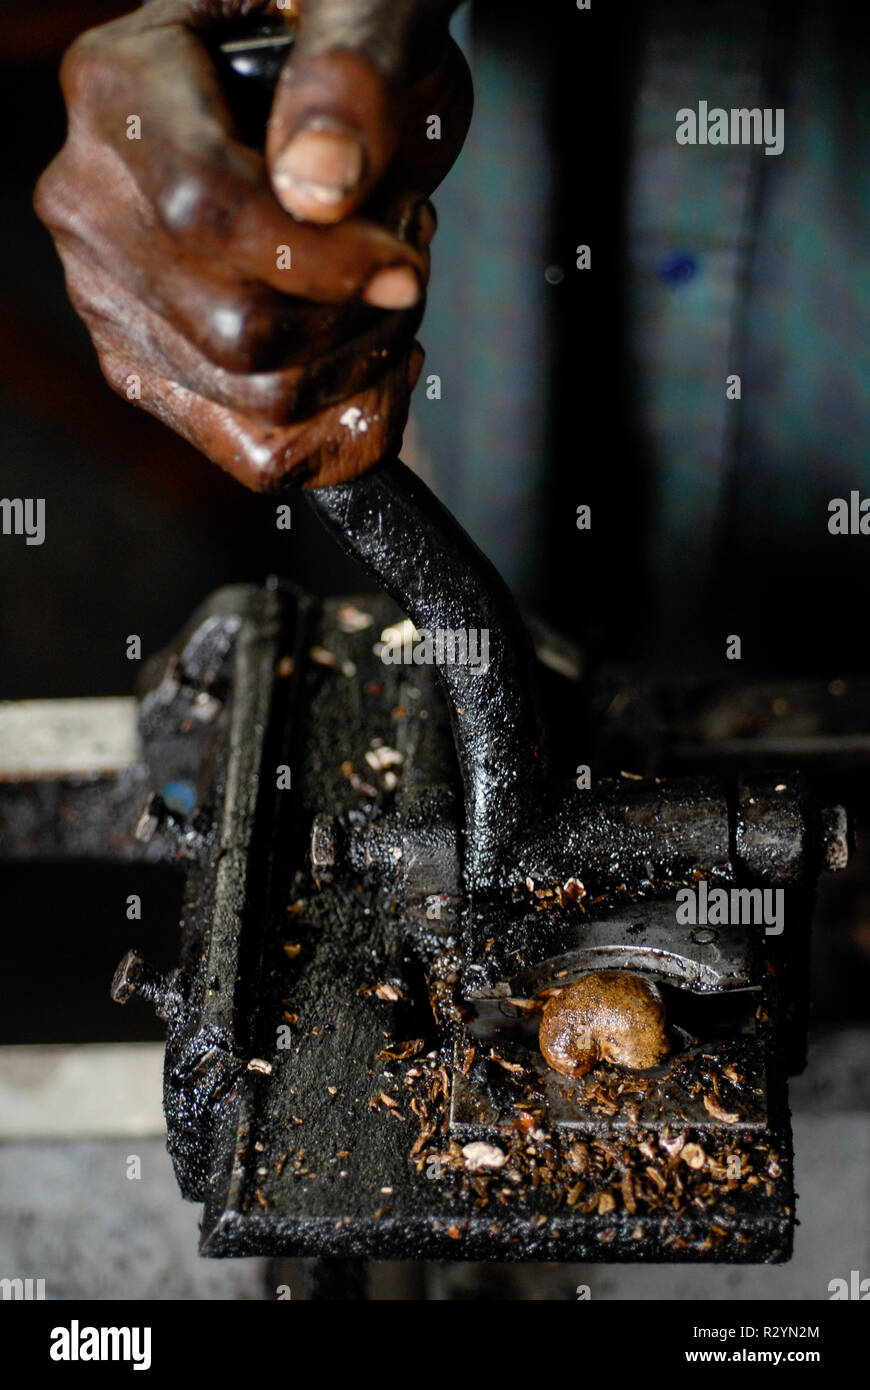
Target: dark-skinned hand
(279,367)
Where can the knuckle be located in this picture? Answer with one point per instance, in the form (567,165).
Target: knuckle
(273,399)
(47,199)
(239,335)
(202,193)
(182,203)
(271,455)
(110,366)
(87,75)
(115,367)
(66,203)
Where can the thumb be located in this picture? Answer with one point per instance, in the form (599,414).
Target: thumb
(336,115)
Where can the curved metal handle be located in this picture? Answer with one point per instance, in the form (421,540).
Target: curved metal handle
(402,536)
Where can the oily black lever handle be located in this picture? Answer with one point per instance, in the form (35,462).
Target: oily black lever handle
(249,58)
(396,529)
(259,55)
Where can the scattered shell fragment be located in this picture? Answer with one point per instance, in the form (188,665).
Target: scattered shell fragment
(352,619)
(390,993)
(481,1155)
(672,1145)
(712,1106)
(694,1155)
(514,1067)
(396,636)
(261,1065)
(380,758)
(400,1051)
(205,707)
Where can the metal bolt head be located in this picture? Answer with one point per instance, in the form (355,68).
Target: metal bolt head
(704,936)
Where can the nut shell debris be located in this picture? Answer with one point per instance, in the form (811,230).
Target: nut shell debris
(481,1155)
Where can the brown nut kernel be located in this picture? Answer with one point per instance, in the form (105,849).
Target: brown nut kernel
(606,1016)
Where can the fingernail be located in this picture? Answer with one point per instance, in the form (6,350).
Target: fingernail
(325,164)
(397,287)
